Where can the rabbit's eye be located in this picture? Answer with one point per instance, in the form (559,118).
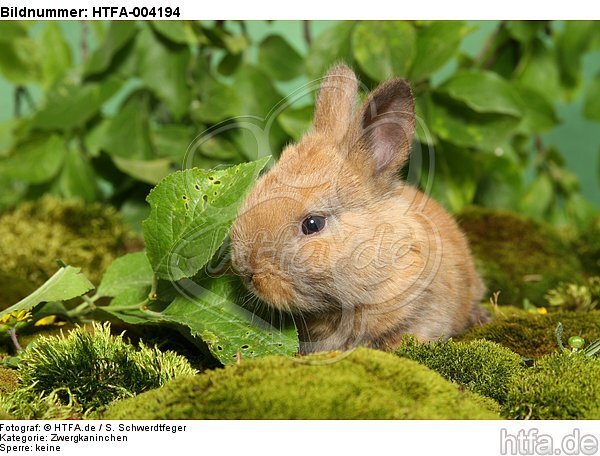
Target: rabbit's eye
(313,224)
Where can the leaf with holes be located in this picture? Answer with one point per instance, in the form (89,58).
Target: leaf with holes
(190,216)
(210,310)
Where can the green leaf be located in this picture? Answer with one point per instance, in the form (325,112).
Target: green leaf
(36,161)
(580,210)
(149,171)
(128,280)
(463,127)
(11,192)
(163,68)
(191,212)
(67,283)
(210,310)
(20,61)
(454,177)
(180,32)
(278,59)
(96,136)
(525,31)
(296,122)
(483,91)
(591,108)
(538,70)
(125,273)
(77,179)
(56,51)
(539,114)
(384,48)
(230,63)
(118,36)
(7,136)
(51,308)
(258,94)
(331,46)
(172,140)
(436,43)
(69,104)
(218,148)
(538,197)
(10,30)
(501,184)
(218,101)
(127,133)
(574,40)
(424,108)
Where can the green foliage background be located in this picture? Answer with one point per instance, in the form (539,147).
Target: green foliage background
(103,111)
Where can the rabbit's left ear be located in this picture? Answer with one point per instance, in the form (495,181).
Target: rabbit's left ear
(335,103)
(383,130)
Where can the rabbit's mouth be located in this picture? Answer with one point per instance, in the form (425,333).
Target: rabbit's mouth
(272,289)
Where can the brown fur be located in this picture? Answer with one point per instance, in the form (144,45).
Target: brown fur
(390,261)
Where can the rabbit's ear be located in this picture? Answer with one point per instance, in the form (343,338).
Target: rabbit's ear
(384,127)
(336,101)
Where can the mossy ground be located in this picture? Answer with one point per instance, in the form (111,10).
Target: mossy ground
(532,335)
(482,366)
(63,377)
(587,246)
(477,376)
(35,234)
(558,387)
(521,258)
(364,384)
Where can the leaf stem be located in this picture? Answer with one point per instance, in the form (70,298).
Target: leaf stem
(136,306)
(88,305)
(89,302)
(152,295)
(13,338)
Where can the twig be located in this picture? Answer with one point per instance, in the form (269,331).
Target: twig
(481,60)
(307,32)
(17,109)
(84,41)
(243,28)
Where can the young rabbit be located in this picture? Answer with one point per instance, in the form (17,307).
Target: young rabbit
(331,234)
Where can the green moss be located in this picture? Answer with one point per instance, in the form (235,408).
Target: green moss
(484,367)
(532,335)
(587,245)
(87,370)
(521,258)
(559,387)
(35,234)
(363,384)
(8,380)
(24,403)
